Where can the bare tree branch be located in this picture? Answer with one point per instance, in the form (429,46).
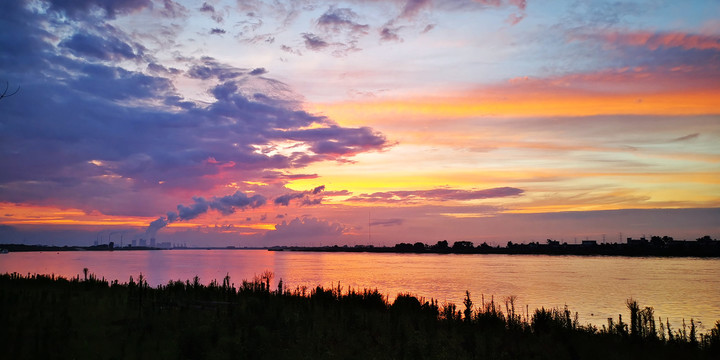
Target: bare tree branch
(5,92)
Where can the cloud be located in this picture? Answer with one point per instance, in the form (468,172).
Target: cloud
(342,19)
(226,205)
(386,222)
(103,48)
(513,19)
(413,7)
(172,9)
(326,142)
(209,68)
(314,42)
(305,195)
(122,141)
(285,177)
(110,9)
(390,33)
(217,31)
(305,231)
(686,137)
(285,199)
(258,71)
(441,194)
(428,28)
(209,9)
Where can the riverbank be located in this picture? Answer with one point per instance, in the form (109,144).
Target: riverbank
(50,317)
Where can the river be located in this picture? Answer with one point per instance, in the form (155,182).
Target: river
(594,286)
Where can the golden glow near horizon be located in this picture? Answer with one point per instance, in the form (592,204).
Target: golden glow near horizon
(48,215)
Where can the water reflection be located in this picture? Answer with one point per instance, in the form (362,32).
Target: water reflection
(595,287)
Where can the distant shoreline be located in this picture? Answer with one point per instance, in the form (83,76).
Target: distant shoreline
(656,247)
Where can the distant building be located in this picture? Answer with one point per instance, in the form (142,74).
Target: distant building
(143,242)
(134,243)
(164,245)
(589,242)
(152,242)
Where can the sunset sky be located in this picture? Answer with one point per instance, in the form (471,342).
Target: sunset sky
(259,123)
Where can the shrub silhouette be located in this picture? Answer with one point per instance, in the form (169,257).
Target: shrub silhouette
(54,317)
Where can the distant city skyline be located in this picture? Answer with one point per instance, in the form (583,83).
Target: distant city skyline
(253,123)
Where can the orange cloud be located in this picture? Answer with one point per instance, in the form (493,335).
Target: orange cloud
(23,214)
(627,91)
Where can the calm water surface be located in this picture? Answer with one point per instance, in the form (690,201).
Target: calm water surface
(595,287)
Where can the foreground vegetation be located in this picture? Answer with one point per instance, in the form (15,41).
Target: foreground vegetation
(89,318)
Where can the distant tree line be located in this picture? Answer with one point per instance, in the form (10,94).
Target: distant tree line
(656,246)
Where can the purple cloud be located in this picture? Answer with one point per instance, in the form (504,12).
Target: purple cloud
(93,135)
(258,71)
(209,9)
(314,42)
(76,9)
(342,19)
(305,195)
(413,7)
(390,33)
(103,48)
(226,205)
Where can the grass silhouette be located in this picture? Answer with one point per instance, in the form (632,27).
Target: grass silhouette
(57,318)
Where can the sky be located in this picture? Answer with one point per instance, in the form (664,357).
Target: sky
(312,122)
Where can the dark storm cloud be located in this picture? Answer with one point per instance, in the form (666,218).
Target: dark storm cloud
(96,136)
(442,194)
